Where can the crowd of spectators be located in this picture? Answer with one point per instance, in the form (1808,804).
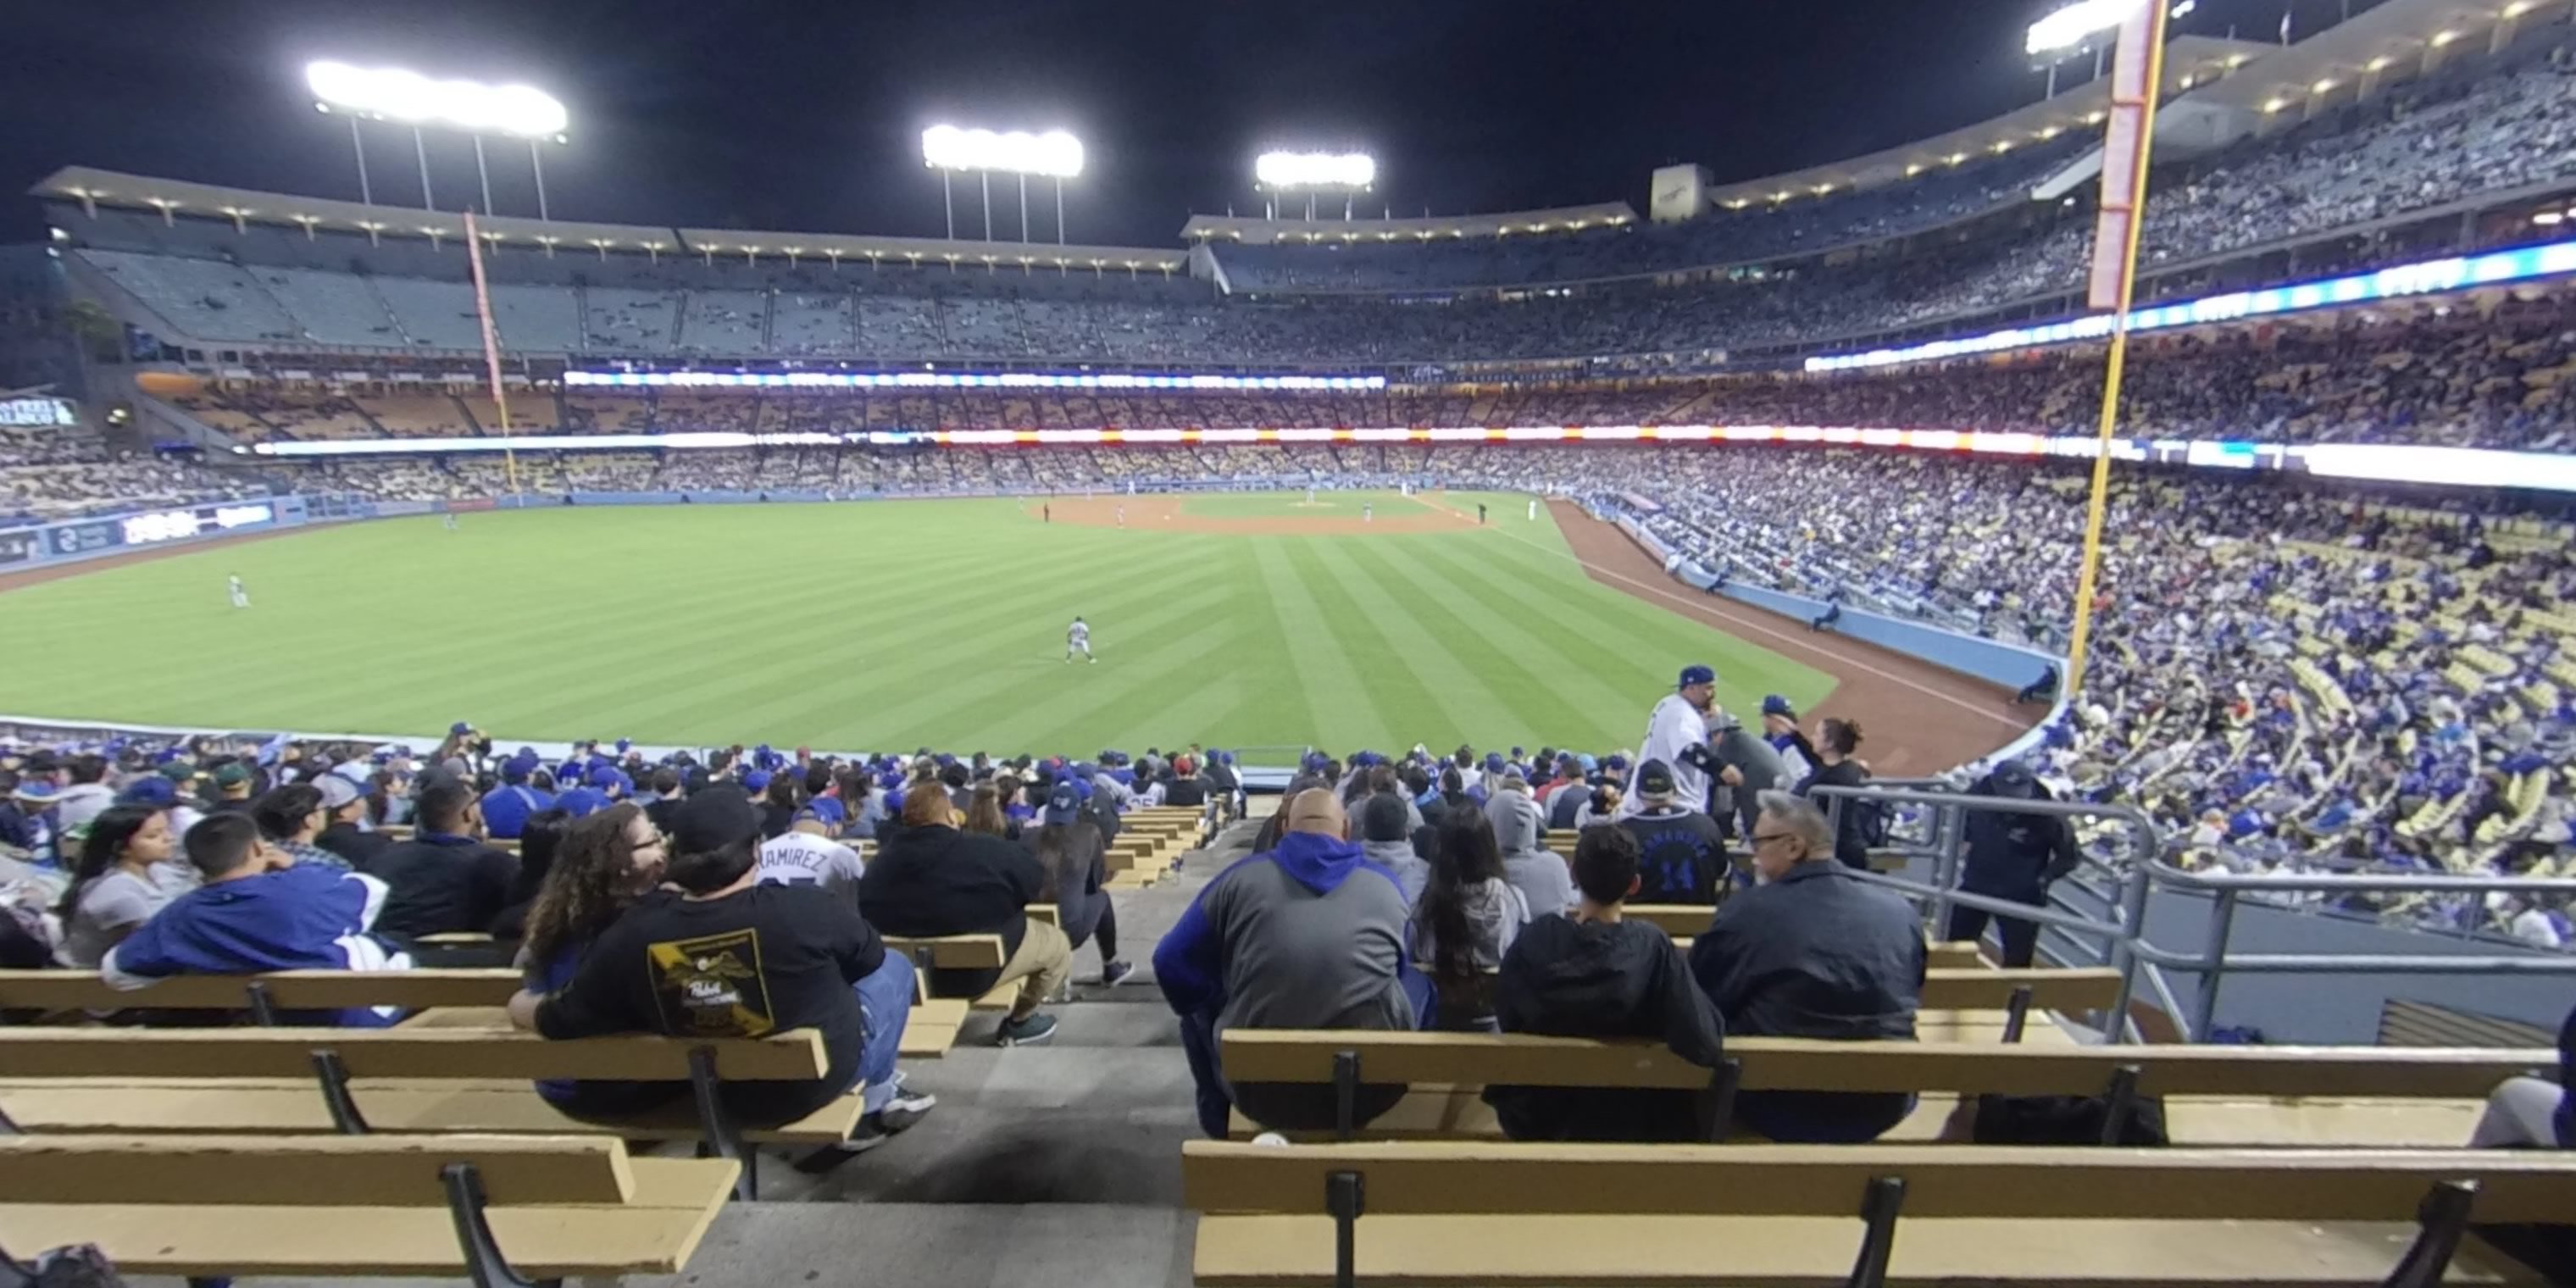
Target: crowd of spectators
(53,474)
(2488,371)
(2284,676)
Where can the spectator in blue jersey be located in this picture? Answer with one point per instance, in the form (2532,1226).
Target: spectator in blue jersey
(259,910)
(1681,853)
(506,808)
(591,792)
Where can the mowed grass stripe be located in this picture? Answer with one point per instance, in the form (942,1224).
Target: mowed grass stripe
(1529,615)
(1746,671)
(1397,703)
(1476,637)
(1327,681)
(1089,697)
(1468,707)
(1009,705)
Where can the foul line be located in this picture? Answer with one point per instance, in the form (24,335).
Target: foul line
(1719,610)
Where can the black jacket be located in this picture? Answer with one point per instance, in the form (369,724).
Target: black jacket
(440,884)
(1818,953)
(2015,856)
(930,881)
(1185,791)
(347,841)
(1850,845)
(1584,979)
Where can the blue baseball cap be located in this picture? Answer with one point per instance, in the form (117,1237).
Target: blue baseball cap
(155,792)
(755,781)
(460,729)
(1697,673)
(1776,705)
(605,776)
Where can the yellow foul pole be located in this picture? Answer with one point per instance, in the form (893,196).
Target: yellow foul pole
(2137,82)
(492,348)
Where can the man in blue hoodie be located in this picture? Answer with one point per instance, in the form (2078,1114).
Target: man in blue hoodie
(1309,935)
(260,910)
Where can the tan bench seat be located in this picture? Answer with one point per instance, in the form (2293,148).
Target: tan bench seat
(355,1206)
(2216,1095)
(1469,1213)
(60,990)
(1683,921)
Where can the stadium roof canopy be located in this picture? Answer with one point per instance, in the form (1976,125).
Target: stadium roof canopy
(2397,39)
(2189,61)
(172,197)
(1258,231)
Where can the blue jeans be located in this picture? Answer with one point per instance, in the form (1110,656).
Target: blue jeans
(885,999)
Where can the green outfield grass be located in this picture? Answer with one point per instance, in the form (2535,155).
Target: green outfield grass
(876,626)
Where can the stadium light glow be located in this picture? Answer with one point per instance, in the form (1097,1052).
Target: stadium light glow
(2424,277)
(395,94)
(2068,27)
(1055,154)
(1334,170)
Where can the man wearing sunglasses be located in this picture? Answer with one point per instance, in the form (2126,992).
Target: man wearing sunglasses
(1813,951)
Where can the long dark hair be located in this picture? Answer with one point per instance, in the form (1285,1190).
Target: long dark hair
(108,835)
(592,880)
(1066,851)
(540,839)
(1463,857)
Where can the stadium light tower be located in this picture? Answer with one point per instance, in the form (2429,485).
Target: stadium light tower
(2072,29)
(1348,173)
(1055,155)
(409,98)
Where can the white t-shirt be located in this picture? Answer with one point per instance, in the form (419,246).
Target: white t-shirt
(801,858)
(1078,634)
(1675,727)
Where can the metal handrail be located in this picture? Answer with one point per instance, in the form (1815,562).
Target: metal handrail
(2122,927)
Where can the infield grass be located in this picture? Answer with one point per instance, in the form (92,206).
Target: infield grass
(878,626)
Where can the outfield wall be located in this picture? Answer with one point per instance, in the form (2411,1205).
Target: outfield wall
(2009,665)
(99,536)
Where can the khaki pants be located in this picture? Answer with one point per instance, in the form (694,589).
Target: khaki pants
(1044,962)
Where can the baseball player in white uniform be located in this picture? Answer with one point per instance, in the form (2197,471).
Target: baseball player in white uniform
(1677,734)
(1077,639)
(241,597)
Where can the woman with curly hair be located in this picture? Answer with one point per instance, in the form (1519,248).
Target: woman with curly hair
(603,865)
(605,862)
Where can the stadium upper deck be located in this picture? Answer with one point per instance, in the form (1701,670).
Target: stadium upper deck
(2464,154)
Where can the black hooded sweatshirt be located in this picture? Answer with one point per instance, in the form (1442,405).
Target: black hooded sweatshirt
(1566,978)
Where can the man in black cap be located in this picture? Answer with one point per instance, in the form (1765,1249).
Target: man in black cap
(2011,856)
(725,956)
(1681,853)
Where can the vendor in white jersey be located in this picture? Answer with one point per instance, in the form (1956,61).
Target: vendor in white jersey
(1677,734)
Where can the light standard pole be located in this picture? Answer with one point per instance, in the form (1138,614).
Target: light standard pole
(1059,210)
(537,167)
(358,149)
(484,172)
(420,149)
(948,204)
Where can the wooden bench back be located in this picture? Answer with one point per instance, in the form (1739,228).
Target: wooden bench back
(1478,1059)
(397,1053)
(308,1171)
(1809,1180)
(951,952)
(56,990)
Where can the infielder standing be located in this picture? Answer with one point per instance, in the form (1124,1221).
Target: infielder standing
(1122,522)
(241,597)
(1677,734)
(1533,514)
(1077,639)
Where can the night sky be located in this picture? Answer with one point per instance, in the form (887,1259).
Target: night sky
(782,116)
